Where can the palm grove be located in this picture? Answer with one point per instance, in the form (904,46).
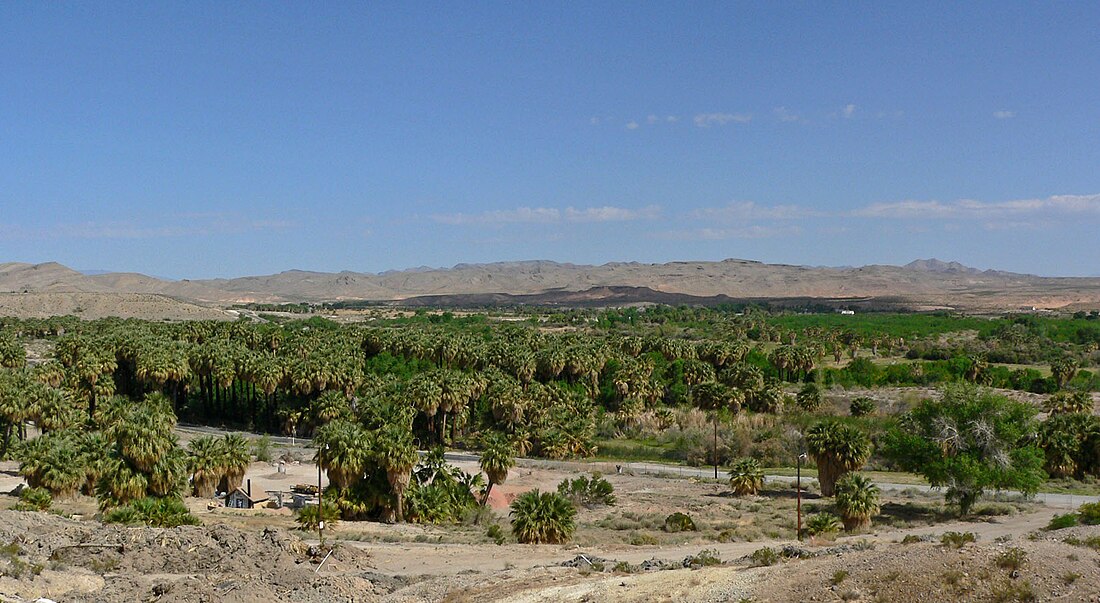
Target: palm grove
(106,398)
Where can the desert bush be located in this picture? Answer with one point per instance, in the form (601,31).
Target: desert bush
(1089,514)
(957,540)
(861,406)
(34,499)
(705,558)
(153,512)
(1013,558)
(543,517)
(310,516)
(823,524)
(643,540)
(1059,522)
(764,556)
(680,522)
(746,477)
(592,492)
(496,533)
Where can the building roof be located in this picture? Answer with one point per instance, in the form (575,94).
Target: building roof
(254,498)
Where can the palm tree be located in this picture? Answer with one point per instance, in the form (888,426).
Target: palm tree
(857,499)
(237,454)
(343,451)
(837,448)
(746,477)
(715,397)
(1067,402)
(1063,371)
(496,460)
(397,456)
(546,517)
(207,465)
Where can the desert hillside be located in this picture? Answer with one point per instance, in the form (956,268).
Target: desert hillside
(922,284)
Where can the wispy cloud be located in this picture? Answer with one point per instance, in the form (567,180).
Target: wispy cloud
(706,120)
(785,115)
(1004,114)
(632,125)
(177,225)
(749,210)
(967,208)
(550,215)
(848,111)
(755,231)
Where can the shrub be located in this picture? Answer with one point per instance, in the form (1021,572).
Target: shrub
(679,522)
(765,556)
(823,524)
(1013,558)
(857,499)
(588,492)
(1059,522)
(643,540)
(34,499)
(838,577)
(1089,514)
(809,398)
(261,449)
(957,540)
(153,512)
(543,517)
(861,406)
(310,516)
(705,558)
(746,477)
(496,533)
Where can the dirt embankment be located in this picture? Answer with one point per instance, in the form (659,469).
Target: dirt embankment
(43,555)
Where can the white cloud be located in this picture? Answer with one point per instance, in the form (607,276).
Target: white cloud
(672,119)
(755,231)
(652,119)
(785,115)
(633,125)
(705,120)
(171,226)
(1004,114)
(968,208)
(594,121)
(550,215)
(848,111)
(749,210)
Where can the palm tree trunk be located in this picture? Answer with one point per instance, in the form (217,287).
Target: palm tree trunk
(714,449)
(484,499)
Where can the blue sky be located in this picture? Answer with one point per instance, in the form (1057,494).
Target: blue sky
(224,139)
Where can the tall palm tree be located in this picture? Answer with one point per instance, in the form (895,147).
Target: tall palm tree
(715,398)
(837,448)
(237,454)
(206,462)
(497,457)
(396,455)
(857,499)
(343,451)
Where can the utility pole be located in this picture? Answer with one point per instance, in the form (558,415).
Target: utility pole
(801,457)
(320,499)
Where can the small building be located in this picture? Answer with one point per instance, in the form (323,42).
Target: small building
(242,498)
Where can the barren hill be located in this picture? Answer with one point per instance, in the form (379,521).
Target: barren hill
(922,284)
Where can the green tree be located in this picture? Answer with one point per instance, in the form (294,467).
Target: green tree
(396,455)
(969,440)
(543,517)
(837,448)
(717,398)
(206,462)
(497,457)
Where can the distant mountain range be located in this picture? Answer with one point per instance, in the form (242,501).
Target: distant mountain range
(922,284)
